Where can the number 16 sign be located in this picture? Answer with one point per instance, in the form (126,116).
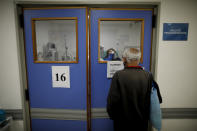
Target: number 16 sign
(61,76)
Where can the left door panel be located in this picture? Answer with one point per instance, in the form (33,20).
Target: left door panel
(56,37)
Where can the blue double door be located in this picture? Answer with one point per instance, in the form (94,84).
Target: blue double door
(58,37)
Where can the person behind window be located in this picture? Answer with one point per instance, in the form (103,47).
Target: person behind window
(111,55)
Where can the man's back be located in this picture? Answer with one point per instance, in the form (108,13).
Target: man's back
(128,101)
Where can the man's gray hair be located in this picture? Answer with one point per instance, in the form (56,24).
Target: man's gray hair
(131,54)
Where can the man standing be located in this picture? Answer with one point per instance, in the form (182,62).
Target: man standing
(128,102)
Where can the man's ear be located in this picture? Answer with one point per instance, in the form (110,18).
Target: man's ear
(124,60)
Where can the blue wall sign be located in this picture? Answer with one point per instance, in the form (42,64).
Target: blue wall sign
(175,31)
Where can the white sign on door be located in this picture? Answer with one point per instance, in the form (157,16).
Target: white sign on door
(113,66)
(61,76)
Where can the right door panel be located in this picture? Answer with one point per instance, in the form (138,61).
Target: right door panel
(114,30)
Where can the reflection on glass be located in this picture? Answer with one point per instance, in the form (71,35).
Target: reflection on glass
(55,40)
(115,36)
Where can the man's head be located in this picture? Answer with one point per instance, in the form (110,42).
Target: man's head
(131,56)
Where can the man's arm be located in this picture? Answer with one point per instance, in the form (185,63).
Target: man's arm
(113,99)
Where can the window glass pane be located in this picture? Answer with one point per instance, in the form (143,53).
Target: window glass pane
(115,36)
(56,40)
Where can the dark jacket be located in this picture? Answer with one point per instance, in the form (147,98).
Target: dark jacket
(128,102)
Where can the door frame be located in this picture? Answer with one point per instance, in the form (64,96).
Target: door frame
(21,50)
